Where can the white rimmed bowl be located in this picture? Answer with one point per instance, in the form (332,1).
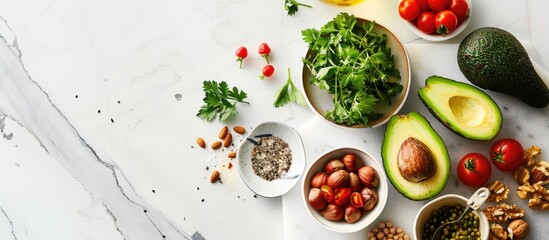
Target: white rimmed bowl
(320,101)
(367,218)
(437,37)
(276,187)
(448,200)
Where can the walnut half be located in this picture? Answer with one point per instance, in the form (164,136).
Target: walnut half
(498,191)
(503,212)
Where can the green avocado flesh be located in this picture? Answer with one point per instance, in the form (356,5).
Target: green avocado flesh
(462,108)
(414,125)
(494,59)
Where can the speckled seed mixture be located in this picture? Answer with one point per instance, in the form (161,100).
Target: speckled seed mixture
(271,157)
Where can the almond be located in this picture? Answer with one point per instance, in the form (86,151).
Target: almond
(216,145)
(239,129)
(223,132)
(228,140)
(214,176)
(200,141)
(231,154)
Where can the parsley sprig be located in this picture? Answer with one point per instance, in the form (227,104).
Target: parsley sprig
(292,6)
(220,100)
(289,93)
(353,63)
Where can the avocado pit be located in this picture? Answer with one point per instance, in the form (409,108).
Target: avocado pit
(415,161)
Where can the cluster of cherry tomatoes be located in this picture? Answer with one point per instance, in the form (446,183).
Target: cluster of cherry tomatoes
(434,16)
(474,169)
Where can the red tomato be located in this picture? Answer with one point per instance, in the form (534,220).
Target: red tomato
(241,53)
(426,22)
(460,8)
(264,50)
(438,5)
(474,170)
(267,71)
(423,5)
(507,154)
(445,22)
(409,9)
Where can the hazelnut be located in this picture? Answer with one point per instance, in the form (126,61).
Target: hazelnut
(518,229)
(352,214)
(333,166)
(333,212)
(415,161)
(316,200)
(352,162)
(368,177)
(319,179)
(338,179)
(354,182)
(369,197)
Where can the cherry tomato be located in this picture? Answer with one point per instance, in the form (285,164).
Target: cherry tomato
(438,5)
(409,9)
(445,22)
(423,5)
(264,51)
(426,22)
(474,170)
(507,154)
(267,71)
(460,8)
(241,53)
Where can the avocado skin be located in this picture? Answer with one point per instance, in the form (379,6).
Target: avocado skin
(494,59)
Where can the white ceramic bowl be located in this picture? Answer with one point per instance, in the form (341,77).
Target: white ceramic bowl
(367,217)
(437,37)
(445,200)
(277,187)
(320,101)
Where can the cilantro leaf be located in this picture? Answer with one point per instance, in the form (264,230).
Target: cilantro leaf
(289,93)
(220,100)
(354,63)
(292,6)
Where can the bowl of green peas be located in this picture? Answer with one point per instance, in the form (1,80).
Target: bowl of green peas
(448,208)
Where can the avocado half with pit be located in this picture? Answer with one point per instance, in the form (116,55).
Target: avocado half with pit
(414,156)
(461,107)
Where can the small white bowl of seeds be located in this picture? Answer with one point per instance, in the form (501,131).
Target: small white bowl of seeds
(271,159)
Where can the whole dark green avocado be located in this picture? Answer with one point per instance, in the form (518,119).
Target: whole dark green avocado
(494,59)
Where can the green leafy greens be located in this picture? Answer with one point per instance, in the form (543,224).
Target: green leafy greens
(288,93)
(220,99)
(292,6)
(353,63)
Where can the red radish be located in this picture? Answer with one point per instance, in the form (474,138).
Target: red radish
(241,53)
(267,71)
(264,51)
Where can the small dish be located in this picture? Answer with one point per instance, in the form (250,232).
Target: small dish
(320,101)
(445,200)
(436,37)
(367,218)
(287,180)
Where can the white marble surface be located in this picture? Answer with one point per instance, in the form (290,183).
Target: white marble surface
(69,172)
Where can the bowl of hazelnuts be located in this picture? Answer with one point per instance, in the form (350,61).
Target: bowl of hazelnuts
(345,189)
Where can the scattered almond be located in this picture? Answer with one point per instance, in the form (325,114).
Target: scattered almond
(200,141)
(232,154)
(216,145)
(223,132)
(214,176)
(239,129)
(228,140)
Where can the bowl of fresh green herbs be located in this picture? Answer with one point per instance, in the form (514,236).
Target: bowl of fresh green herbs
(356,73)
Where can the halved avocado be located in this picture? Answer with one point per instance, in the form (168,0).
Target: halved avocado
(461,107)
(414,156)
